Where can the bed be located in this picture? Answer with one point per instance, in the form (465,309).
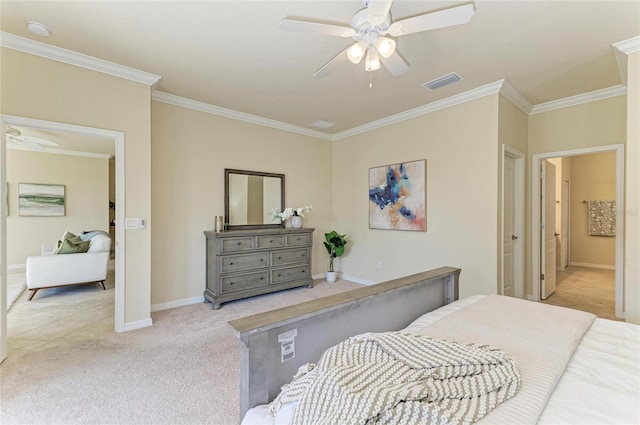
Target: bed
(574,368)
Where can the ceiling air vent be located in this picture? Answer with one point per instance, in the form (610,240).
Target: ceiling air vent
(322,124)
(442,81)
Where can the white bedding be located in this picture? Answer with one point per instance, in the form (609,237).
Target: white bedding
(601,383)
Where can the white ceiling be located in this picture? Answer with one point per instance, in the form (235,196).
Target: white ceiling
(232,54)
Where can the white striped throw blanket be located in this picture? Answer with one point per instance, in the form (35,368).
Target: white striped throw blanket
(400,378)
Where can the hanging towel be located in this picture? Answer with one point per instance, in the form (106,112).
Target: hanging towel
(602,218)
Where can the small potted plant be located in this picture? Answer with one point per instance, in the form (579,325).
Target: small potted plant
(334,243)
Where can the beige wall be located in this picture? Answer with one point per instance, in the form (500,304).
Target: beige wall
(598,123)
(593,178)
(39,88)
(190,151)
(512,132)
(460,146)
(632,193)
(86,199)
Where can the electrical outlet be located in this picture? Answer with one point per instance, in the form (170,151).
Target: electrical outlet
(379,264)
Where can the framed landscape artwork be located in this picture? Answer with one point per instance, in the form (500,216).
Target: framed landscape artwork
(41,200)
(398,196)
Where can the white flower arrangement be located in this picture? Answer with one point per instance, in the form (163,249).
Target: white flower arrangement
(289,212)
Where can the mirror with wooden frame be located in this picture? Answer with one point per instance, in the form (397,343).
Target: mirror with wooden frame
(250,197)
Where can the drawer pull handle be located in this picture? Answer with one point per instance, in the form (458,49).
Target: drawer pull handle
(231,264)
(279,258)
(262,259)
(279,275)
(239,243)
(271,241)
(230,283)
(302,271)
(262,278)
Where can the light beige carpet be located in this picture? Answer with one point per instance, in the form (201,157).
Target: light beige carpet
(586,289)
(16,284)
(182,370)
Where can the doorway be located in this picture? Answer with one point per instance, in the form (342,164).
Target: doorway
(108,136)
(572,240)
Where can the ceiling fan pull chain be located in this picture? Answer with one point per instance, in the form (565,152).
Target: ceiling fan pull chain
(370,79)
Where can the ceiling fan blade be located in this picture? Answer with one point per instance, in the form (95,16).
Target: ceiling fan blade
(433,20)
(332,64)
(38,140)
(378,11)
(317,28)
(395,64)
(22,141)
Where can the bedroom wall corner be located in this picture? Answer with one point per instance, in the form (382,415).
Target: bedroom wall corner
(190,150)
(632,192)
(460,145)
(512,132)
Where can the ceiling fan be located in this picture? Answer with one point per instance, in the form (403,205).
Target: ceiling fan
(30,142)
(372,28)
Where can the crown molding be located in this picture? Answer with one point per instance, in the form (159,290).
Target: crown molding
(60,152)
(628,46)
(622,49)
(195,105)
(37,48)
(579,99)
(448,102)
(510,92)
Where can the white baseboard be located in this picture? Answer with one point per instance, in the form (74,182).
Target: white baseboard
(593,266)
(131,326)
(178,303)
(530,297)
(16,268)
(357,280)
(323,276)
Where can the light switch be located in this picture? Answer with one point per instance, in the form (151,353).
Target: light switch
(134,223)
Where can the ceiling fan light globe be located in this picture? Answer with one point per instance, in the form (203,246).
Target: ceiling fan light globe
(355,53)
(373,61)
(385,46)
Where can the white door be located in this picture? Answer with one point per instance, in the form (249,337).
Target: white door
(507,234)
(565,224)
(548,230)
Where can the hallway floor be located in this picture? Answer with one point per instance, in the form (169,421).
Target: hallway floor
(586,289)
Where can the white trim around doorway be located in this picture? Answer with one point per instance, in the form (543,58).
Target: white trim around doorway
(118,138)
(535,218)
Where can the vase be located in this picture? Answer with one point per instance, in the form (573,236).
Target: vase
(331,277)
(296,221)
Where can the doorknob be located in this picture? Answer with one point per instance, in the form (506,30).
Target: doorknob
(556,234)
(514,237)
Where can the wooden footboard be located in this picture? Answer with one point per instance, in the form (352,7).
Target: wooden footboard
(275,343)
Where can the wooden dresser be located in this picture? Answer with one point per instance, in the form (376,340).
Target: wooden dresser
(245,263)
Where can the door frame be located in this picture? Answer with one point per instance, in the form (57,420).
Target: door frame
(518,222)
(118,138)
(535,218)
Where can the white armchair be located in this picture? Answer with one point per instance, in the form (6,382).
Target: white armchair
(48,271)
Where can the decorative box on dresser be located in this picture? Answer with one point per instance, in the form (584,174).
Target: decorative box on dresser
(245,263)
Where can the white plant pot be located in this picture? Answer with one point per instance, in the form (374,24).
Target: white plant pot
(331,277)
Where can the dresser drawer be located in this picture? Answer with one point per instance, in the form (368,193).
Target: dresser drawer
(235,263)
(298,239)
(236,244)
(244,281)
(288,256)
(274,241)
(293,273)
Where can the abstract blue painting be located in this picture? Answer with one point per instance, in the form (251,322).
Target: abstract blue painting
(398,196)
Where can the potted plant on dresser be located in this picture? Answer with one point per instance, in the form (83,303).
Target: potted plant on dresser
(334,243)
